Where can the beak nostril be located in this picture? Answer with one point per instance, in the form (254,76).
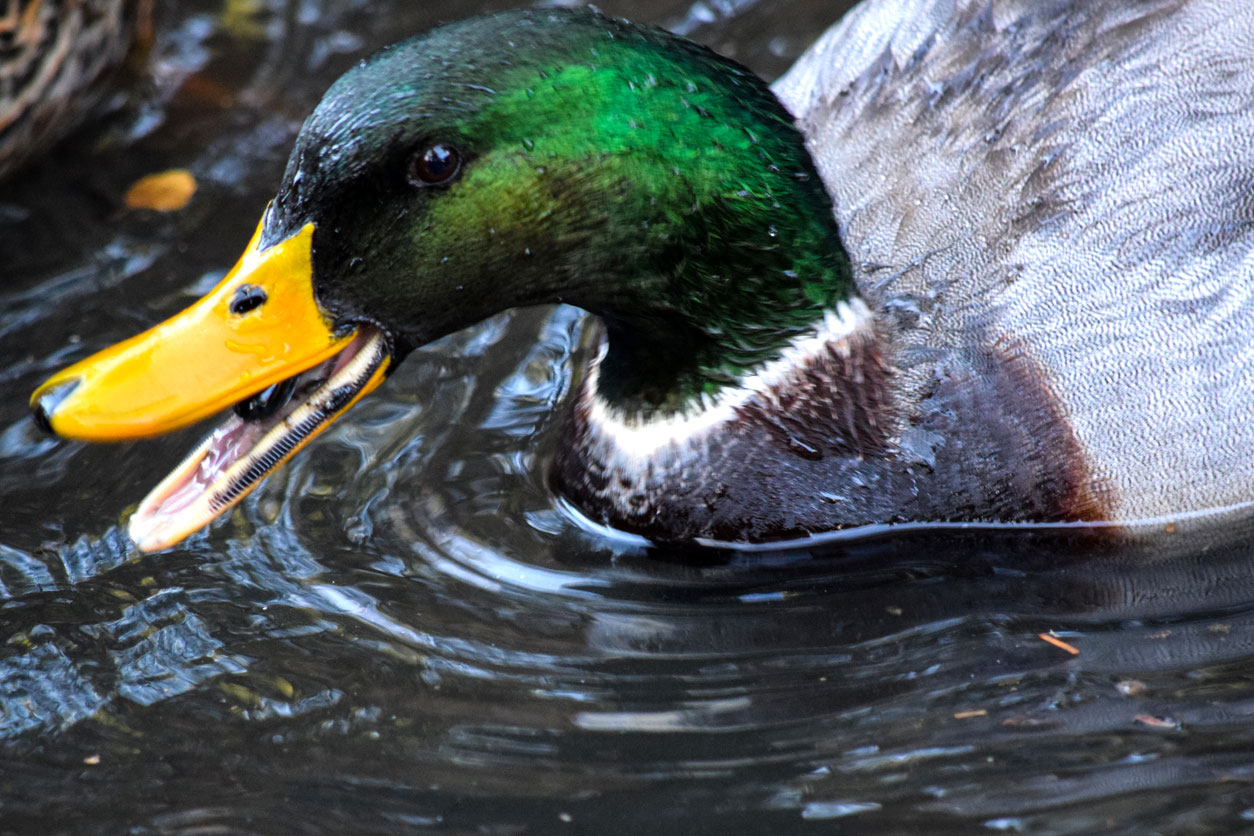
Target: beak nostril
(247,297)
(44,406)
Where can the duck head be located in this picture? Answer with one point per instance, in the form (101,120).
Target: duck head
(524,158)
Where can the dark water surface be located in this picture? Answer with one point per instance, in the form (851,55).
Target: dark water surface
(400,633)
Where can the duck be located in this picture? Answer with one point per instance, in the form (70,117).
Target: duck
(968,260)
(54,56)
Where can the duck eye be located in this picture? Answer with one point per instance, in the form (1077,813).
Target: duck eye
(247,297)
(435,165)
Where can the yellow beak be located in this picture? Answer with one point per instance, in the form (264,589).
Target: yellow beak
(203,360)
(259,327)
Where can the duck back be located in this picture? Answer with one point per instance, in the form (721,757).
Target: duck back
(1048,205)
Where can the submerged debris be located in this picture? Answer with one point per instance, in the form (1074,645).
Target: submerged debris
(1057,642)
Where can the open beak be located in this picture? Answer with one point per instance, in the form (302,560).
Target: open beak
(258,342)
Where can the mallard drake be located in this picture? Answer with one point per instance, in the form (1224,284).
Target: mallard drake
(1001,271)
(53,53)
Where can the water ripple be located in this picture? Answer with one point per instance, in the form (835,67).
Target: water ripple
(404,632)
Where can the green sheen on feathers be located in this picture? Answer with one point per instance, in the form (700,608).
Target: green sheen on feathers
(613,167)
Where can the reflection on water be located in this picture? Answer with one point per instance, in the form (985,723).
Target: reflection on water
(401,633)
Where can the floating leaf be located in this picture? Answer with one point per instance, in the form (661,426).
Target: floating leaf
(165,191)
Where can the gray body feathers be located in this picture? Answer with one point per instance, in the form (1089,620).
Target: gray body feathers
(1067,188)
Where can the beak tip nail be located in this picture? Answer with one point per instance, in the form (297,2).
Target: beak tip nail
(45,405)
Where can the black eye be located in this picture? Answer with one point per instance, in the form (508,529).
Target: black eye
(435,165)
(247,297)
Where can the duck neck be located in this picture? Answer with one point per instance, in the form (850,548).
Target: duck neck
(726,315)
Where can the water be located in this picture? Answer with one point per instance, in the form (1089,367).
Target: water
(400,633)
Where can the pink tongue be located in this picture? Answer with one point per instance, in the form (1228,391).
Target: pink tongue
(232,440)
(199,489)
(223,447)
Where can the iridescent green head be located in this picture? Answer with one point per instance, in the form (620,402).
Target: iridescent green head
(560,156)
(524,158)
